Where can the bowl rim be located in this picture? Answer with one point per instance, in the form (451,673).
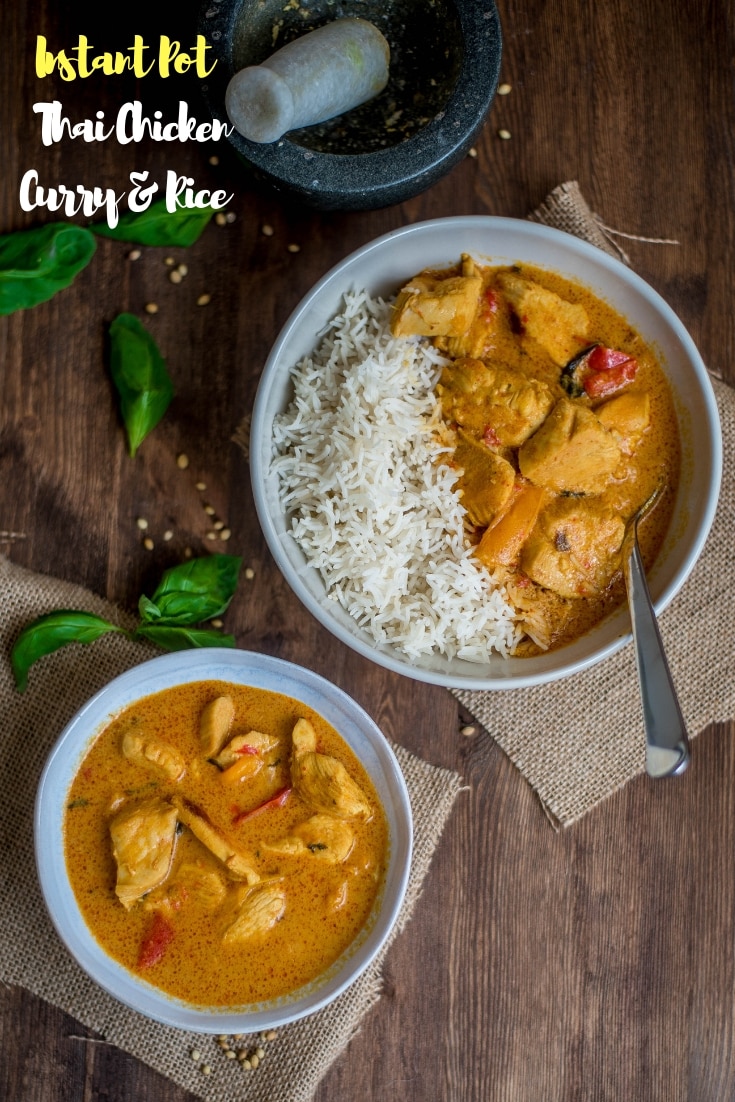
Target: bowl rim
(340,272)
(247,668)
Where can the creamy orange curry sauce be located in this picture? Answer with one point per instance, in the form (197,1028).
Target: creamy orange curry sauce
(224,842)
(561,423)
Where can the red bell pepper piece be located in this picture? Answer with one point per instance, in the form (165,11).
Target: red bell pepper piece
(490,437)
(247,749)
(598,384)
(491,303)
(278,800)
(156,941)
(604,359)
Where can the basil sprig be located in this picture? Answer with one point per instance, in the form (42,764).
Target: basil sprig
(194,591)
(183,638)
(157,226)
(140,376)
(36,263)
(187,594)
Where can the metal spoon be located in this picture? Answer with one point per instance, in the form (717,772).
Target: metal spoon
(667,742)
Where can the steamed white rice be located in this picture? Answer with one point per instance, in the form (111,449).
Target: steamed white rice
(371,504)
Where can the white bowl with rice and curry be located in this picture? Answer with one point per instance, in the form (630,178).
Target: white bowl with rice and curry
(223,840)
(450,434)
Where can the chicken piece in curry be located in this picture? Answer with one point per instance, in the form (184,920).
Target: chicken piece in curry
(562,425)
(224,842)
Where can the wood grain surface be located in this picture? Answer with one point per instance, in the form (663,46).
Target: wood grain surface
(593,964)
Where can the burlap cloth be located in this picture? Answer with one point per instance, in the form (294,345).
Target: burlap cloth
(30,952)
(579,740)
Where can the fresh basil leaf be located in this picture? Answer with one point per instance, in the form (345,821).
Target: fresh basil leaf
(156,226)
(169,637)
(195,590)
(36,263)
(140,375)
(148,611)
(48,633)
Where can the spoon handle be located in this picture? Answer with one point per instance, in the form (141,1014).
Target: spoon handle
(667,743)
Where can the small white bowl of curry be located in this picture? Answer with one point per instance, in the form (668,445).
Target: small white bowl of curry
(450,435)
(223,840)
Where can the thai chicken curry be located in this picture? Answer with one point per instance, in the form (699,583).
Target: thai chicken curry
(224,842)
(561,424)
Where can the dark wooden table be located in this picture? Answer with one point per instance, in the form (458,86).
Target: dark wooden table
(596,963)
